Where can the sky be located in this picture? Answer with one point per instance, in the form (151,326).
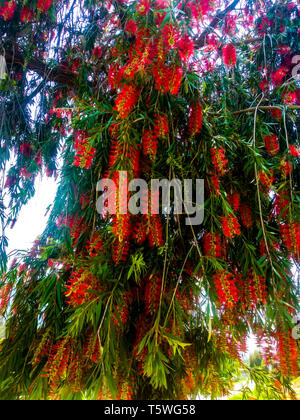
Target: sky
(32,219)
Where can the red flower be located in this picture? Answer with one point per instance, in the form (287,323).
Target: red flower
(97,51)
(131,27)
(26,150)
(234,200)
(226,288)
(271,144)
(229,55)
(185,48)
(246,215)
(149,143)
(219,160)
(26,14)
(126,100)
(212,245)
(230,226)
(161,126)
(84,150)
(195,119)
(294,151)
(8,9)
(44,5)
(143,7)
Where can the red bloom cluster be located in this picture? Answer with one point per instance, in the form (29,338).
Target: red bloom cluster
(8,9)
(215,183)
(126,100)
(26,14)
(44,5)
(4,297)
(161,126)
(58,361)
(230,226)
(246,215)
(294,151)
(212,245)
(229,55)
(226,288)
(121,313)
(286,167)
(143,7)
(234,200)
(26,150)
(155,236)
(271,144)
(266,180)
(288,354)
(278,76)
(281,204)
(84,151)
(290,234)
(152,293)
(94,246)
(97,51)
(185,48)
(149,144)
(219,160)
(80,284)
(91,349)
(195,119)
(167,79)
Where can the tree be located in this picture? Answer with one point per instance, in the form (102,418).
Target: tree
(146,306)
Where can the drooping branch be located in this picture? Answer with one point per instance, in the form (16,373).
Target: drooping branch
(264,108)
(200,42)
(55,74)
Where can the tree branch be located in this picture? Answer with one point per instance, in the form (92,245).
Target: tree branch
(56,74)
(200,42)
(265,108)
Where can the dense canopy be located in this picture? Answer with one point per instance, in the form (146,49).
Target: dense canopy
(146,306)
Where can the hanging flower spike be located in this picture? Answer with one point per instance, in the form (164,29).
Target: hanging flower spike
(234,200)
(246,215)
(216,184)
(8,9)
(285,167)
(226,289)
(185,47)
(229,55)
(195,119)
(212,245)
(294,151)
(219,160)
(26,14)
(175,80)
(230,226)
(131,27)
(155,236)
(126,100)
(97,51)
(143,7)
(84,151)
(44,5)
(152,293)
(149,144)
(271,144)
(290,234)
(161,126)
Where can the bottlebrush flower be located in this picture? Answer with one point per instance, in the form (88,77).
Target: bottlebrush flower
(175,80)
(185,47)
(152,293)
(276,114)
(195,119)
(281,204)
(131,27)
(84,151)
(121,312)
(290,98)
(97,51)
(8,9)
(266,180)
(26,150)
(271,144)
(246,215)
(278,76)
(212,245)
(294,151)
(226,288)
(215,183)
(290,234)
(287,353)
(4,297)
(44,5)
(230,226)
(229,55)
(126,100)
(143,7)
(80,284)
(161,126)
(234,200)
(120,251)
(155,236)
(286,167)
(26,14)
(219,160)
(149,144)
(170,35)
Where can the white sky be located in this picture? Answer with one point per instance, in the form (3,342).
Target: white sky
(32,220)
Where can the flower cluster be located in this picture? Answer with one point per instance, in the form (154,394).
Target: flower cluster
(246,215)
(195,119)
(80,284)
(226,288)
(126,100)
(230,226)
(219,160)
(271,144)
(152,293)
(287,354)
(212,245)
(229,55)
(8,9)
(84,151)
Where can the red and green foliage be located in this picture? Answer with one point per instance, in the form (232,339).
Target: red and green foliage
(145,306)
